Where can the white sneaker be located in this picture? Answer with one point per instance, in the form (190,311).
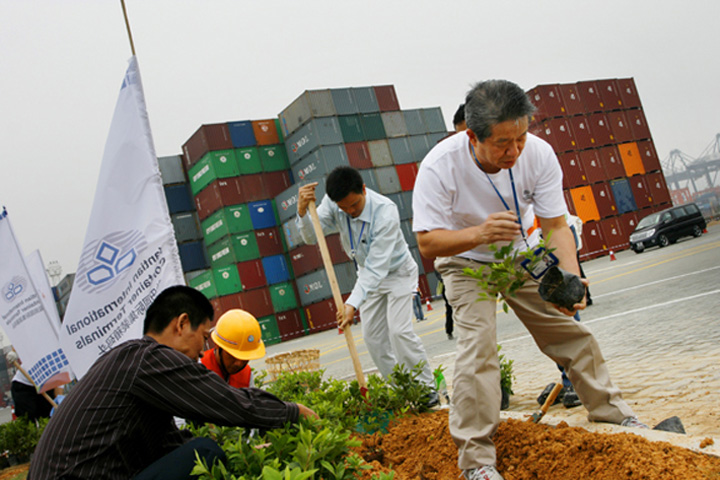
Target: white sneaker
(488,472)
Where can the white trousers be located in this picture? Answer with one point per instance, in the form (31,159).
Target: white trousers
(387,324)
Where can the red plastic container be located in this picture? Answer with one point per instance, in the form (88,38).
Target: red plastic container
(594,171)
(358,155)
(613,234)
(573,173)
(252,275)
(604,200)
(649,156)
(407,173)
(620,127)
(611,161)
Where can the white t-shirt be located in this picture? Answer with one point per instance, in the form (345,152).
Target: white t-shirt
(452,193)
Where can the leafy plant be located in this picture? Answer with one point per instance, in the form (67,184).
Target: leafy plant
(507,276)
(506,372)
(20,437)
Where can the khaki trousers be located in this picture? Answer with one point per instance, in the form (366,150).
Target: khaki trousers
(475,410)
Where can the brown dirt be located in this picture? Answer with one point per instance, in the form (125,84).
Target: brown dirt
(420,447)
(17,472)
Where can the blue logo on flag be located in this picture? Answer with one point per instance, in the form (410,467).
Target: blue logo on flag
(13,288)
(107,259)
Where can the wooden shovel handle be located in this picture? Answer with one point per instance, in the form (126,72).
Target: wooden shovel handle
(27,375)
(337,296)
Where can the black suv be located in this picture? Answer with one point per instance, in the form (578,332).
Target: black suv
(665,227)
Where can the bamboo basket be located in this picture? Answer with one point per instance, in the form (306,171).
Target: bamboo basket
(307,360)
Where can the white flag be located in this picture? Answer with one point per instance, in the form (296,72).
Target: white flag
(27,318)
(129,254)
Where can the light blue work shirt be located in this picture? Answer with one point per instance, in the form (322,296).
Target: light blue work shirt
(380,250)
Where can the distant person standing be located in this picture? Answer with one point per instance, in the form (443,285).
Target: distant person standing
(28,402)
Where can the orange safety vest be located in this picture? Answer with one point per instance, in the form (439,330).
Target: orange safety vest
(238,380)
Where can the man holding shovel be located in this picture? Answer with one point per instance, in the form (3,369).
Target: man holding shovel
(482,187)
(369,226)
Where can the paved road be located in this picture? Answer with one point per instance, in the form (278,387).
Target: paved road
(656,316)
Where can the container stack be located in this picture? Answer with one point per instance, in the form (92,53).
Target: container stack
(363,128)
(61,293)
(611,172)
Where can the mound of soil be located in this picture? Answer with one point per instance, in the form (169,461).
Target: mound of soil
(420,447)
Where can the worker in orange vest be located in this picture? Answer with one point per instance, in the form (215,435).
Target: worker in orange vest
(237,339)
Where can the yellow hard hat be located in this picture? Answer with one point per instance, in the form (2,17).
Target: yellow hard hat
(238,333)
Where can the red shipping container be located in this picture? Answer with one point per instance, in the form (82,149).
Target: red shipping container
(604,200)
(265,132)
(305,259)
(257,301)
(600,127)
(428,264)
(628,93)
(228,302)
(252,276)
(386,98)
(638,124)
(628,222)
(252,187)
(217,309)
(573,173)
(548,101)
(275,183)
(358,154)
(581,132)
(590,95)
(613,234)
(593,241)
(649,156)
(407,173)
(571,99)
(594,171)
(321,316)
(611,161)
(569,202)
(658,187)
(559,135)
(641,191)
(424,285)
(208,137)
(620,127)
(337,254)
(220,193)
(269,241)
(610,94)
(290,324)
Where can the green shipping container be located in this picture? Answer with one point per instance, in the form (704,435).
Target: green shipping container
(248,160)
(234,219)
(372,126)
(205,284)
(351,128)
(273,158)
(227,280)
(245,246)
(280,131)
(270,332)
(213,165)
(283,296)
(238,218)
(221,253)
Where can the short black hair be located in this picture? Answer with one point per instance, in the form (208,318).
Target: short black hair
(459,115)
(173,302)
(492,102)
(343,181)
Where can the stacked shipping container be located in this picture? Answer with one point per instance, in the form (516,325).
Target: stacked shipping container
(232,199)
(611,171)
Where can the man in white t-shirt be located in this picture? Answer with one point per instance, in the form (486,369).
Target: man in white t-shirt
(485,186)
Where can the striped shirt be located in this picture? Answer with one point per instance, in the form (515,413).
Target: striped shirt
(119,418)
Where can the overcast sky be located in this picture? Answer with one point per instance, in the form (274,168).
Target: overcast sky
(209,61)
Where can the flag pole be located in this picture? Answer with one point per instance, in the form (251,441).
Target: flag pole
(127,24)
(27,375)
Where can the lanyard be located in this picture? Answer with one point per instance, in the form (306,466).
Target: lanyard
(512,184)
(352,245)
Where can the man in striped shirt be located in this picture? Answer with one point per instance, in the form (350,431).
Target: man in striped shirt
(117,422)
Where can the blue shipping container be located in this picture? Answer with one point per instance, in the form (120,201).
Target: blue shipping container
(624,199)
(276,269)
(241,134)
(262,214)
(179,199)
(192,256)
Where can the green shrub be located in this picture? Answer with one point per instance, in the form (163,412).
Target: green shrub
(20,437)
